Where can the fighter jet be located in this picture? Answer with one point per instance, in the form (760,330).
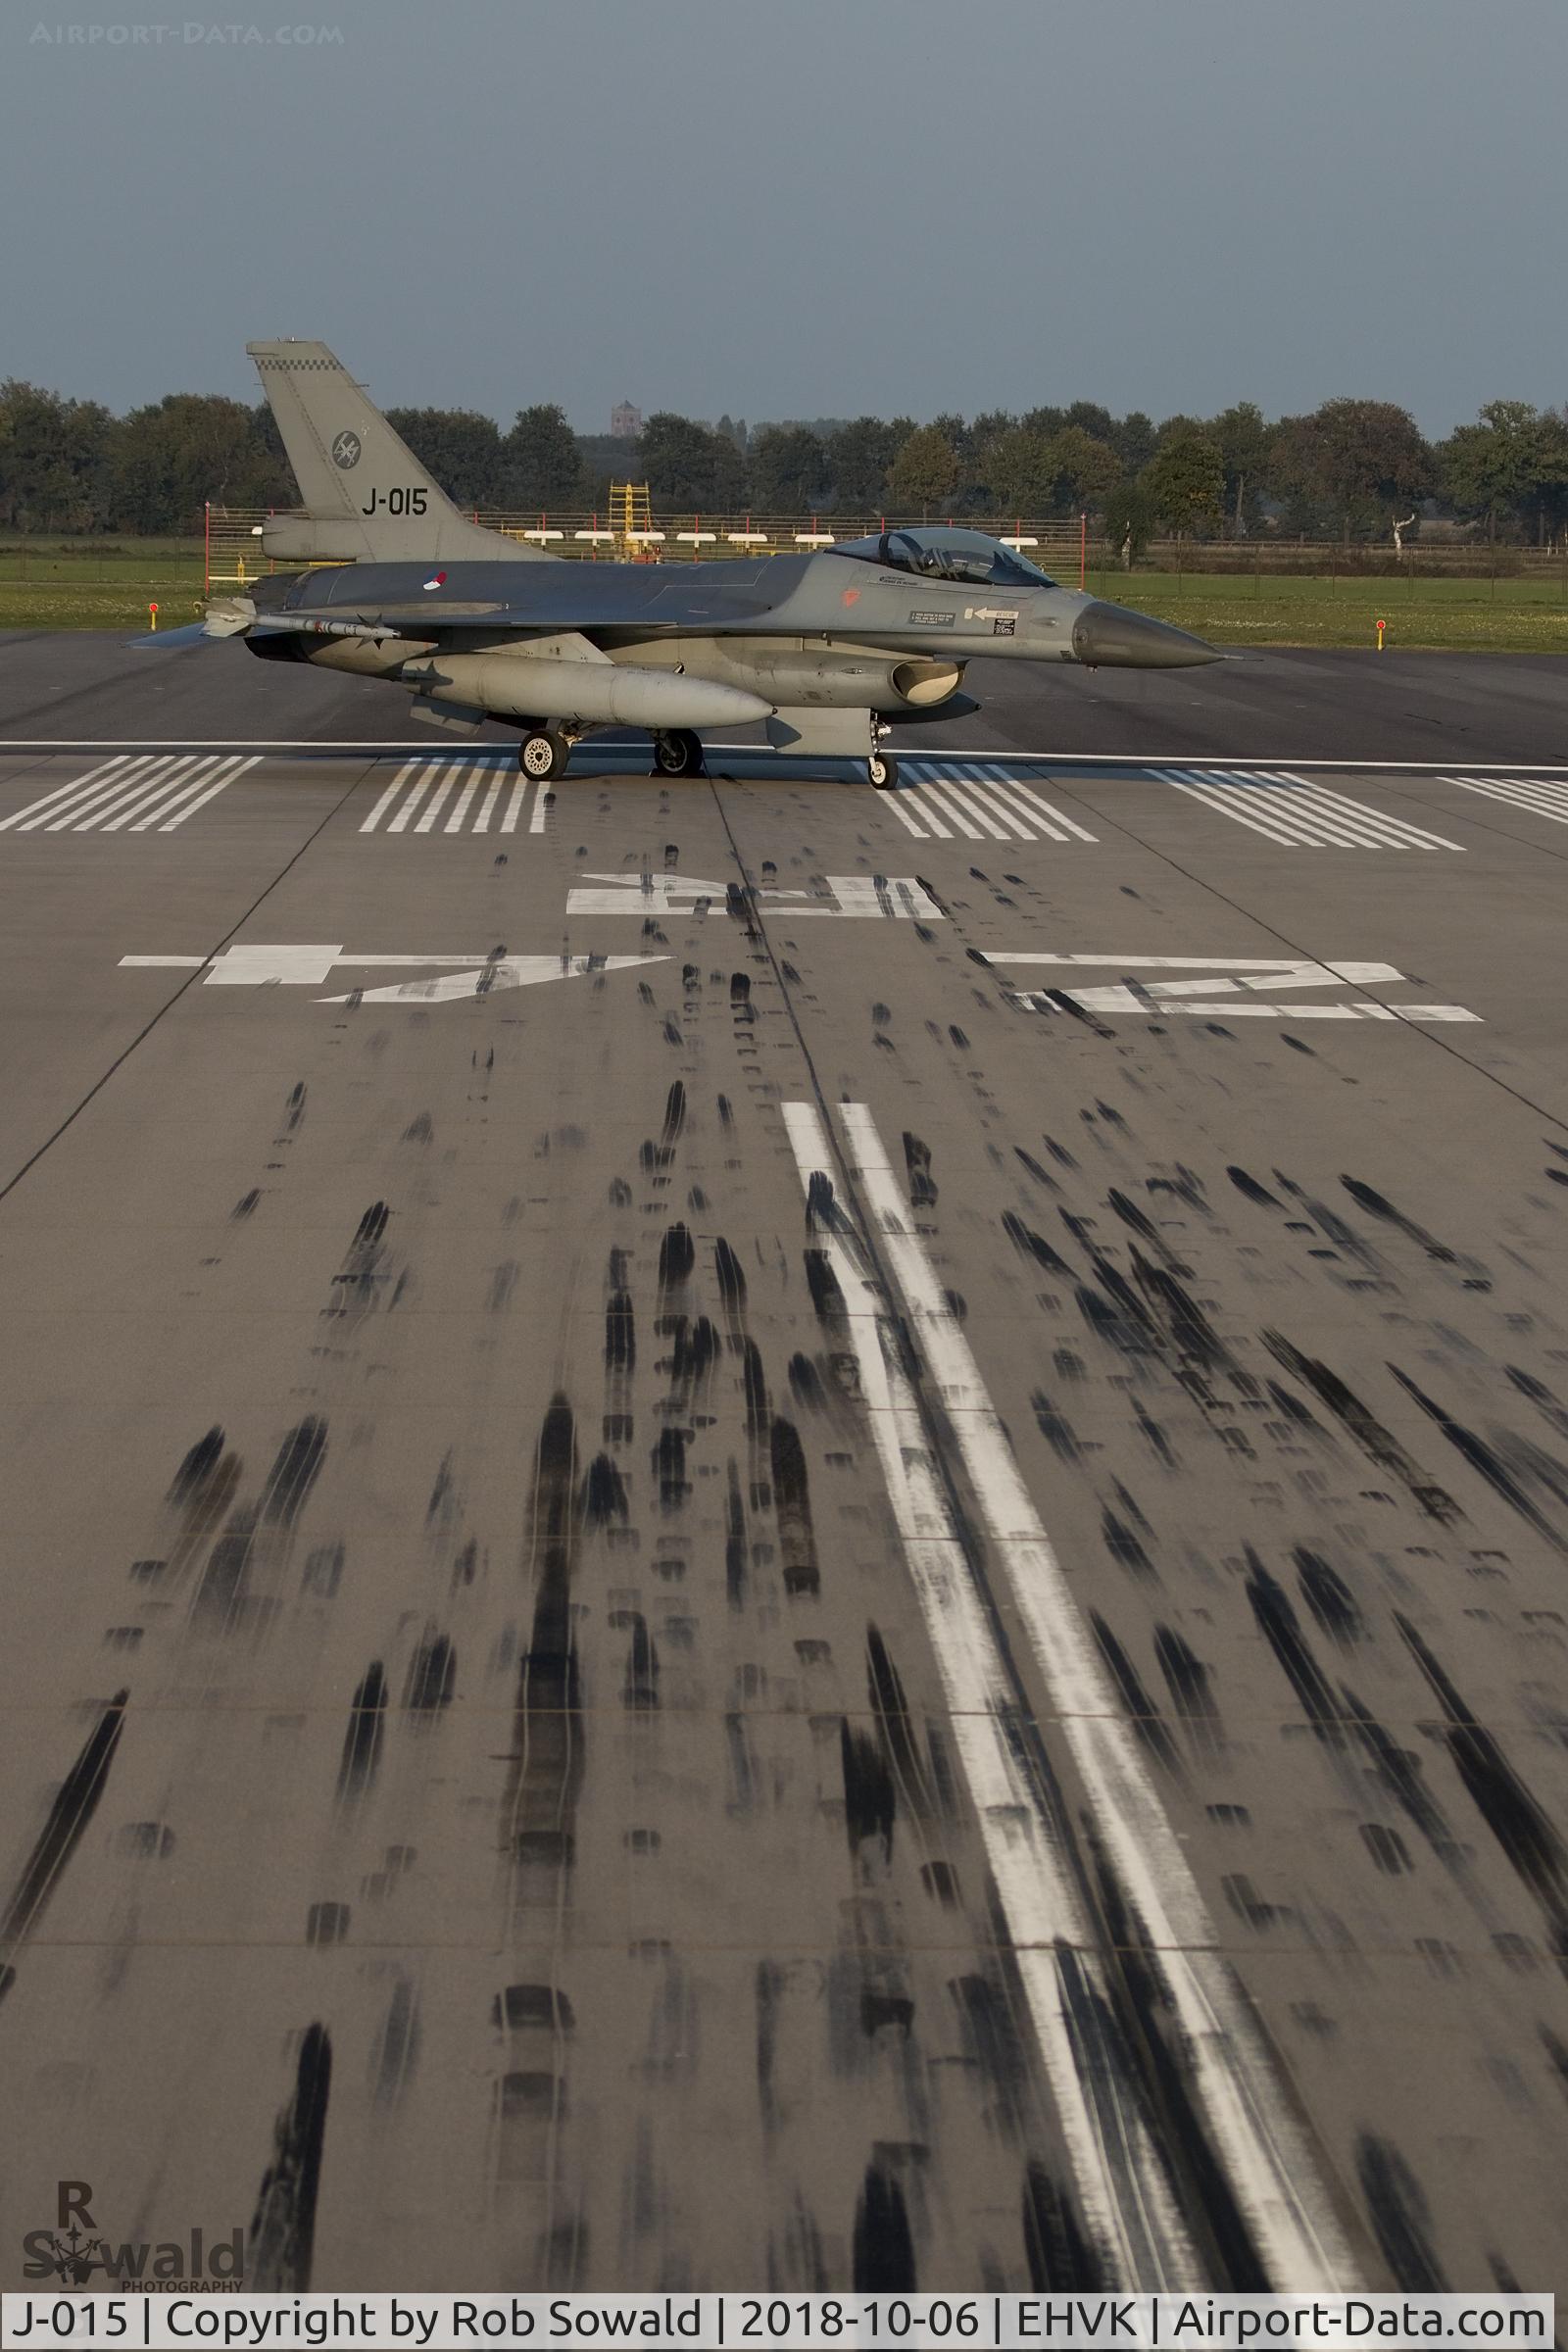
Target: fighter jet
(828,650)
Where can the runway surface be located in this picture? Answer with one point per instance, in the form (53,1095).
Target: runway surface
(765,1536)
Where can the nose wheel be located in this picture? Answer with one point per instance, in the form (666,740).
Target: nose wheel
(679,752)
(542,753)
(882,770)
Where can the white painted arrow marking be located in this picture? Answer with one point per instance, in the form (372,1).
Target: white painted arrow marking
(849,896)
(500,971)
(251,966)
(1223,996)
(1274,971)
(641,894)
(255,966)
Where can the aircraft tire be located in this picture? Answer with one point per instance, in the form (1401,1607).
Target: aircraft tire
(679,752)
(542,753)
(882,771)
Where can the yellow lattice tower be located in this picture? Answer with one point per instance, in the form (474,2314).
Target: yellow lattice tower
(631,517)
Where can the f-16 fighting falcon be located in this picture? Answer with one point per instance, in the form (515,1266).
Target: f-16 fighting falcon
(828,650)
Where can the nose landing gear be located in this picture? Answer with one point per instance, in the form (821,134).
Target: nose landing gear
(882,770)
(678,751)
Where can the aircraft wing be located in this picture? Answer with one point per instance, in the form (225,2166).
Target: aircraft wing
(586,597)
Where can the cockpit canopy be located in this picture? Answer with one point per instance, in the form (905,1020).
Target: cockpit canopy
(946,554)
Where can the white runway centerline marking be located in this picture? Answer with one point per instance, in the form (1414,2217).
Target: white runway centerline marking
(1127,2208)
(1249,2115)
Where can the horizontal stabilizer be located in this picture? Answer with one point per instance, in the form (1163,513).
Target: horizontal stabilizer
(169,641)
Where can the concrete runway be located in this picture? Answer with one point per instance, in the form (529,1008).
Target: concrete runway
(765,1536)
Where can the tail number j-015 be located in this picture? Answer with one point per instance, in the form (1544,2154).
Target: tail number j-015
(396,502)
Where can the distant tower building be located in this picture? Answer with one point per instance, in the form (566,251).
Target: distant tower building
(625,422)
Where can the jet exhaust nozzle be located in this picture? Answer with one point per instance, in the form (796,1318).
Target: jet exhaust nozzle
(311,539)
(602,692)
(1111,637)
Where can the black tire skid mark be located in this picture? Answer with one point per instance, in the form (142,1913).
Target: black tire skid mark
(74,1803)
(280,2248)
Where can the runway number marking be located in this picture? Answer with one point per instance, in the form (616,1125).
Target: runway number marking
(311,966)
(848,896)
(1218,995)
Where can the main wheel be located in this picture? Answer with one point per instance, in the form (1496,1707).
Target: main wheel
(679,752)
(882,770)
(542,753)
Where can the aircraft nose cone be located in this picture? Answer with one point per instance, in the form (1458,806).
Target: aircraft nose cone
(1113,637)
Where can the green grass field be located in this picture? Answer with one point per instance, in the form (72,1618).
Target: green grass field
(57,586)
(1508,617)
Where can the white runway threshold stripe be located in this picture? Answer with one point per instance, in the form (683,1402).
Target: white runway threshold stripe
(1247,2114)
(1543,796)
(136,794)
(1289,808)
(977,799)
(456,796)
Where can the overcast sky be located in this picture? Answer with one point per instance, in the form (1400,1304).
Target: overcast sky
(812,207)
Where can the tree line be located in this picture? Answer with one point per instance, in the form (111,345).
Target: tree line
(1350,467)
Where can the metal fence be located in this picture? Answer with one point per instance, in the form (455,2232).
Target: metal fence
(1069,548)
(233,547)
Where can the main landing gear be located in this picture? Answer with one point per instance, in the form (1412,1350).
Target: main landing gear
(543,753)
(678,752)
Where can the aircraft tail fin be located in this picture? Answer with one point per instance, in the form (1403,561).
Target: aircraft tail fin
(362,485)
